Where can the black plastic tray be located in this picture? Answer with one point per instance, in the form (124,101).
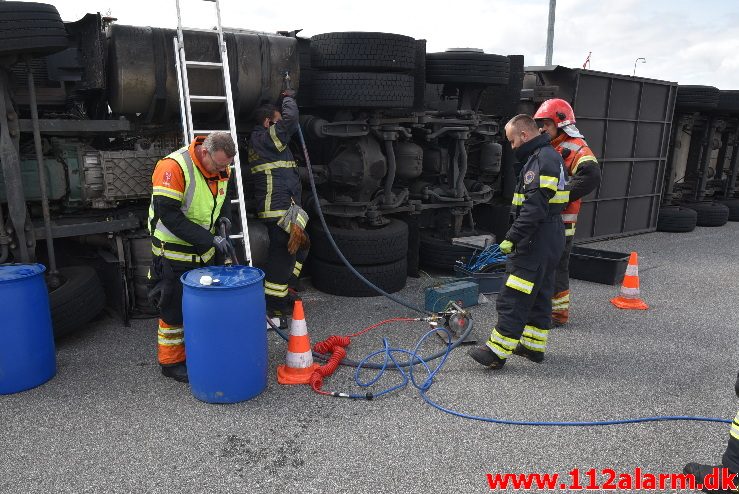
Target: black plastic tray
(598,266)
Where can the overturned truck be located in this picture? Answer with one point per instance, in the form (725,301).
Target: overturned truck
(406,146)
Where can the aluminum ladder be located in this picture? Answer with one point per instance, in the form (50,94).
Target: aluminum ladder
(187,100)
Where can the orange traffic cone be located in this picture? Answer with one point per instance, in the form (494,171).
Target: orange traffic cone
(628,297)
(299,362)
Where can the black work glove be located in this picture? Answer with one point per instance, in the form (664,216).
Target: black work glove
(221,245)
(224,221)
(160,293)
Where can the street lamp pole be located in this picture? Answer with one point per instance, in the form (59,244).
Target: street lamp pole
(643,60)
(550,32)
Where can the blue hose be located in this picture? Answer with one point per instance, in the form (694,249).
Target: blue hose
(425,386)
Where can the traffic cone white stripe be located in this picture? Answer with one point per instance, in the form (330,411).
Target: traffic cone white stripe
(298,327)
(632,270)
(299,360)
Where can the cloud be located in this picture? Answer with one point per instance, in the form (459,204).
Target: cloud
(682,40)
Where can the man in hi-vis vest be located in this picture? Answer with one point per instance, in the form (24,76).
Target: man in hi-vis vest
(556,119)
(188,202)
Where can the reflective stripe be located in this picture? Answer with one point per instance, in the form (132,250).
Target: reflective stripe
(501,345)
(158,190)
(275,289)
(560,197)
(629,292)
(166,342)
(561,303)
(586,158)
(182,256)
(519,284)
(518,199)
(569,217)
(548,182)
(571,146)
(275,293)
(569,230)
(534,338)
(301,220)
(268,197)
(276,286)
(272,166)
(277,213)
(298,268)
(632,270)
(734,431)
(536,333)
(171,331)
(276,140)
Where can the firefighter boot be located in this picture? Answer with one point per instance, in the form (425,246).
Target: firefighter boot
(178,372)
(700,472)
(485,356)
(522,351)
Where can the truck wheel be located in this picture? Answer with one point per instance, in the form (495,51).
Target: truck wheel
(77,301)
(459,67)
(363,51)
(697,98)
(29,27)
(362,246)
(733,205)
(441,254)
(710,213)
(362,90)
(676,219)
(337,279)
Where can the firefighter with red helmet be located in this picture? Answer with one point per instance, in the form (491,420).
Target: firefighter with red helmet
(556,118)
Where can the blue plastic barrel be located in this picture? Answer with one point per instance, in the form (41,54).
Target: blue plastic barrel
(27,353)
(225,333)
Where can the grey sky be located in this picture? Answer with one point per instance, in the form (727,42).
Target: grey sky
(682,40)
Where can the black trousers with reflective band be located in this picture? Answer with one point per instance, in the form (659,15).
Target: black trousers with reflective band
(535,264)
(562,277)
(279,268)
(730,459)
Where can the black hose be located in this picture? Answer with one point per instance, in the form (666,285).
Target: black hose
(379,290)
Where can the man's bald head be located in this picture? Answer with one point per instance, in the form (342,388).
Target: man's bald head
(521,129)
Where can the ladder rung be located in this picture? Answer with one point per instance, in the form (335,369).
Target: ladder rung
(203,132)
(199,30)
(236,235)
(205,99)
(235,201)
(204,65)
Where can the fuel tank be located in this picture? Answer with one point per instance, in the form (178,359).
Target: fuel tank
(142,79)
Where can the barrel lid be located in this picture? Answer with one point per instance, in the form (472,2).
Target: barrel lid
(12,272)
(222,277)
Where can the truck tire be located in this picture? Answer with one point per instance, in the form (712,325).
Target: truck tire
(337,279)
(733,205)
(458,67)
(676,219)
(362,90)
(358,51)
(728,101)
(442,254)
(504,101)
(362,246)
(697,98)
(710,213)
(29,27)
(77,301)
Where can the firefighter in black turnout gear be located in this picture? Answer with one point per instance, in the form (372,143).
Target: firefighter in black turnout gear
(274,174)
(729,460)
(535,243)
